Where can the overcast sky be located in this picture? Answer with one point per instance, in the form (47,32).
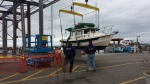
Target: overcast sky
(130,17)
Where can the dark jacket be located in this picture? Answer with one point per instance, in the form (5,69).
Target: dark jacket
(69,51)
(90,49)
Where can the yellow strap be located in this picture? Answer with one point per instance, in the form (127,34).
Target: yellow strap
(71,12)
(86,6)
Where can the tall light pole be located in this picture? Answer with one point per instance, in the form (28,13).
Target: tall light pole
(137,38)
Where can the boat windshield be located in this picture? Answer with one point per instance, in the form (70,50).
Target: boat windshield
(72,33)
(86,31)
(89,30)
(93,32)
(78,33)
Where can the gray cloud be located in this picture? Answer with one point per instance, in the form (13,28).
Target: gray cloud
(130,17)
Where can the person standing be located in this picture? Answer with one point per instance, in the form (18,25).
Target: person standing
(70,53)
(90,50)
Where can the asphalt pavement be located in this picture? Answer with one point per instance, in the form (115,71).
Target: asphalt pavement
(112,68)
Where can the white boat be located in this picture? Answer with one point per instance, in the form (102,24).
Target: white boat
(80,37)
(82,33)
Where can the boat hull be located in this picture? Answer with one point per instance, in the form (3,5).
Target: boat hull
(99,42)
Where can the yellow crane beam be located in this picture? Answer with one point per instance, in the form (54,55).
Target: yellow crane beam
(86,6)
(71,12)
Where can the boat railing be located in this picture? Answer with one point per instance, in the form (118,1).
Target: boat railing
(107,29)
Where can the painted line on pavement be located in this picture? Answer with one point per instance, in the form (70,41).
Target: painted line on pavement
(33,74)
(75,68)
(39,77)
(55,72)
(121,60)
(132,80)
(9,66)
(114,61)
(119,65)
(9,76)
(28,71)
(30,79)
(82,66)
(66,73)
(114,65)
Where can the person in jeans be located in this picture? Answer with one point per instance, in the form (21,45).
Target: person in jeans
(70,53)
(90,50)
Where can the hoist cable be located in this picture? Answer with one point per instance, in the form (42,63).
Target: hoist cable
(61,28)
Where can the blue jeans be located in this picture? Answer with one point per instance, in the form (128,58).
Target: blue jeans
(90,58)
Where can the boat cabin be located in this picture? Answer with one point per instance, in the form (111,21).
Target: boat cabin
(83,31)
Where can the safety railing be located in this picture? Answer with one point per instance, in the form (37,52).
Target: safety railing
(107,29)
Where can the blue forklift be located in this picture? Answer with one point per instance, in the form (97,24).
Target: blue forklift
(38,50)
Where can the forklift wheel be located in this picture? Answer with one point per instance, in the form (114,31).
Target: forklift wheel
(36,64)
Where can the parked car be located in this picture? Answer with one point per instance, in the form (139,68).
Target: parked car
(128,49)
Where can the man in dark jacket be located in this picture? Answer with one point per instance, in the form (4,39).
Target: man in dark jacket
(69,51)
(90,50)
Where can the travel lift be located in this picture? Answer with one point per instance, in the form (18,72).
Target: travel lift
(79,52)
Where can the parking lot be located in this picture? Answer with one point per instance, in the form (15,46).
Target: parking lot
(112,68)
